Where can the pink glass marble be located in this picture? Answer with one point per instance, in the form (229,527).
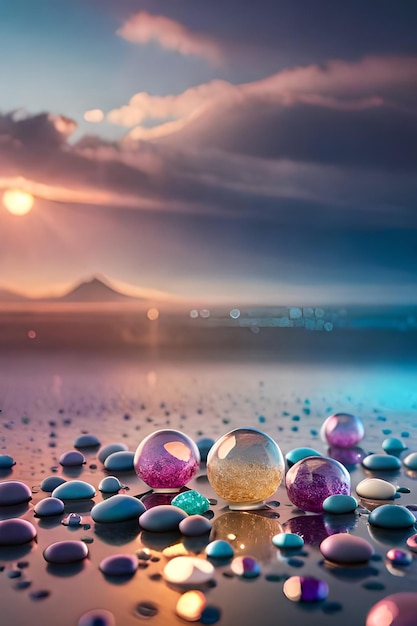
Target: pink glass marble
(343,430)
(166,460)
(310,481)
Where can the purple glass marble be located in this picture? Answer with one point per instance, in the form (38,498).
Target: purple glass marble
(398,609)
(310,481)
(305,589)
(166,460)
(399,557)
(343,430)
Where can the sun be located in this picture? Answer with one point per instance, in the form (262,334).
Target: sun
(18,202)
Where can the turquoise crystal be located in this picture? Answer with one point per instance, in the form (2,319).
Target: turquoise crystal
(192,502)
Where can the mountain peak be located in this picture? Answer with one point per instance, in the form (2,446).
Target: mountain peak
(95,289)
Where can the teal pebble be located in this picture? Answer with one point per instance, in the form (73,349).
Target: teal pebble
(6,461)
(52,482)
(118,508)
(162,518)
(295,455)
(288,540)
(392,444)
(219,549)
(192,502)
(86,441)
(110,484)
(109,449)
(381,462)
(391,516)
(74,490)
(339,503)
(410,461)
(120,461)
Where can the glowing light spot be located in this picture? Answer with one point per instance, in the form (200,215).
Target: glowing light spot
(193,314)
(32,334)
(151,378)
(191,605)
(234,314)
(94,116)
(205,313)
(152,314)
(18,202)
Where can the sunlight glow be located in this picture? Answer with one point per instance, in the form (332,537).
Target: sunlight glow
(18,202)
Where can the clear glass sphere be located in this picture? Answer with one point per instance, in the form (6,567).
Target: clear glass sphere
(245,467)
(166,460)
(343,430)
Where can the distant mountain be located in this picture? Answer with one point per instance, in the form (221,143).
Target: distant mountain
(94,290)
(11,296)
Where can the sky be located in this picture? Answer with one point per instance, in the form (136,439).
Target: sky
(238,151)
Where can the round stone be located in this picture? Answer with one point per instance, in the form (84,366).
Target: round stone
(375,489)
(245,566)
(6,461)
(293,456)
(391,516)
(192,502)
(343,430)
(97,617)
(392,444)
(49,506)
(204,445)
(245,467)
(63,552)
(110,484)
(119,461)
(313,479)
(117,508)
(190,605)
(166,460)
(399,557)
(14,492)
(398,609)
(340,504)
(345,548)
(15,532)
(287,541)
(109,449)
(410,461)
(305,589)
(412,543)
(74,490)
(52,482)
(163,518)
(195,525)
(219,549)
(382,462)
(86,441)
(119,565)
(188,570)
(73,458)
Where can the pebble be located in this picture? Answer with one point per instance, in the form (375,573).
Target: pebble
(399,557)
(74,490)
(73,458)
(305,589)
(110,449)
(392,444)
(118,508)
(381,462)
(97,617)
(195,525)
(412,543)
(188,570)
(375,489)
(192,502)
(86,441)
(119,565)
(345,548)
(6,461)
(63,552)
(410,461)
(339,504)
(204,445)
(73,519)
(163,518)
(391,516)
(14,492)
(288,541)
(110,484)
(120,461)
(219,549)
(52,482)
(49,506)
(15,532)
(295,455)
(190,605)
(245,566)
(398,609)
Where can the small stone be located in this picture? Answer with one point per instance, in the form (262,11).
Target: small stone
(118,508)
(97,617)
(73,458)
(64,552)
(391,516)
(412,543)
(219,549)
(398,609)
(246,567)
(52,482)
(345,548)
(14,492)
(295,455)
(74,490)
(195,525)
(305,589)
(49,506)
(340,504)
(109,449)
(188,570)
(86,441)
(110,484)
(119,565)
(398,557)
(381,462)
(73,519)
(392,444)
(6,461)
(410,461)
(163,518)
(192,502)
(190,605)
(119,461)
(375,489)
(15,532)
(288,541)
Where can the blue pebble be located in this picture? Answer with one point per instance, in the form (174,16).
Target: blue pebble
(392,444)
(195,525)
(219,549)
(391,516)
(381,462)
(288,541)
(6,461)
(119,565)
(120,461)
(52,482)
(74,490)
(64,552)
(410,461)
(73,458)
(110,484)
(162,518)
(86,441)
(339,504)
(48,507)
(295,455)
(118,508)
(109,449)
(204,445)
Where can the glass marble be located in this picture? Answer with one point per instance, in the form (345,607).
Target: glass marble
(244,467)
(166,460)
(313,479)
(343,430)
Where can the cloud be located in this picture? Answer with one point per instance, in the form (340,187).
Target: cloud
(144,28)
